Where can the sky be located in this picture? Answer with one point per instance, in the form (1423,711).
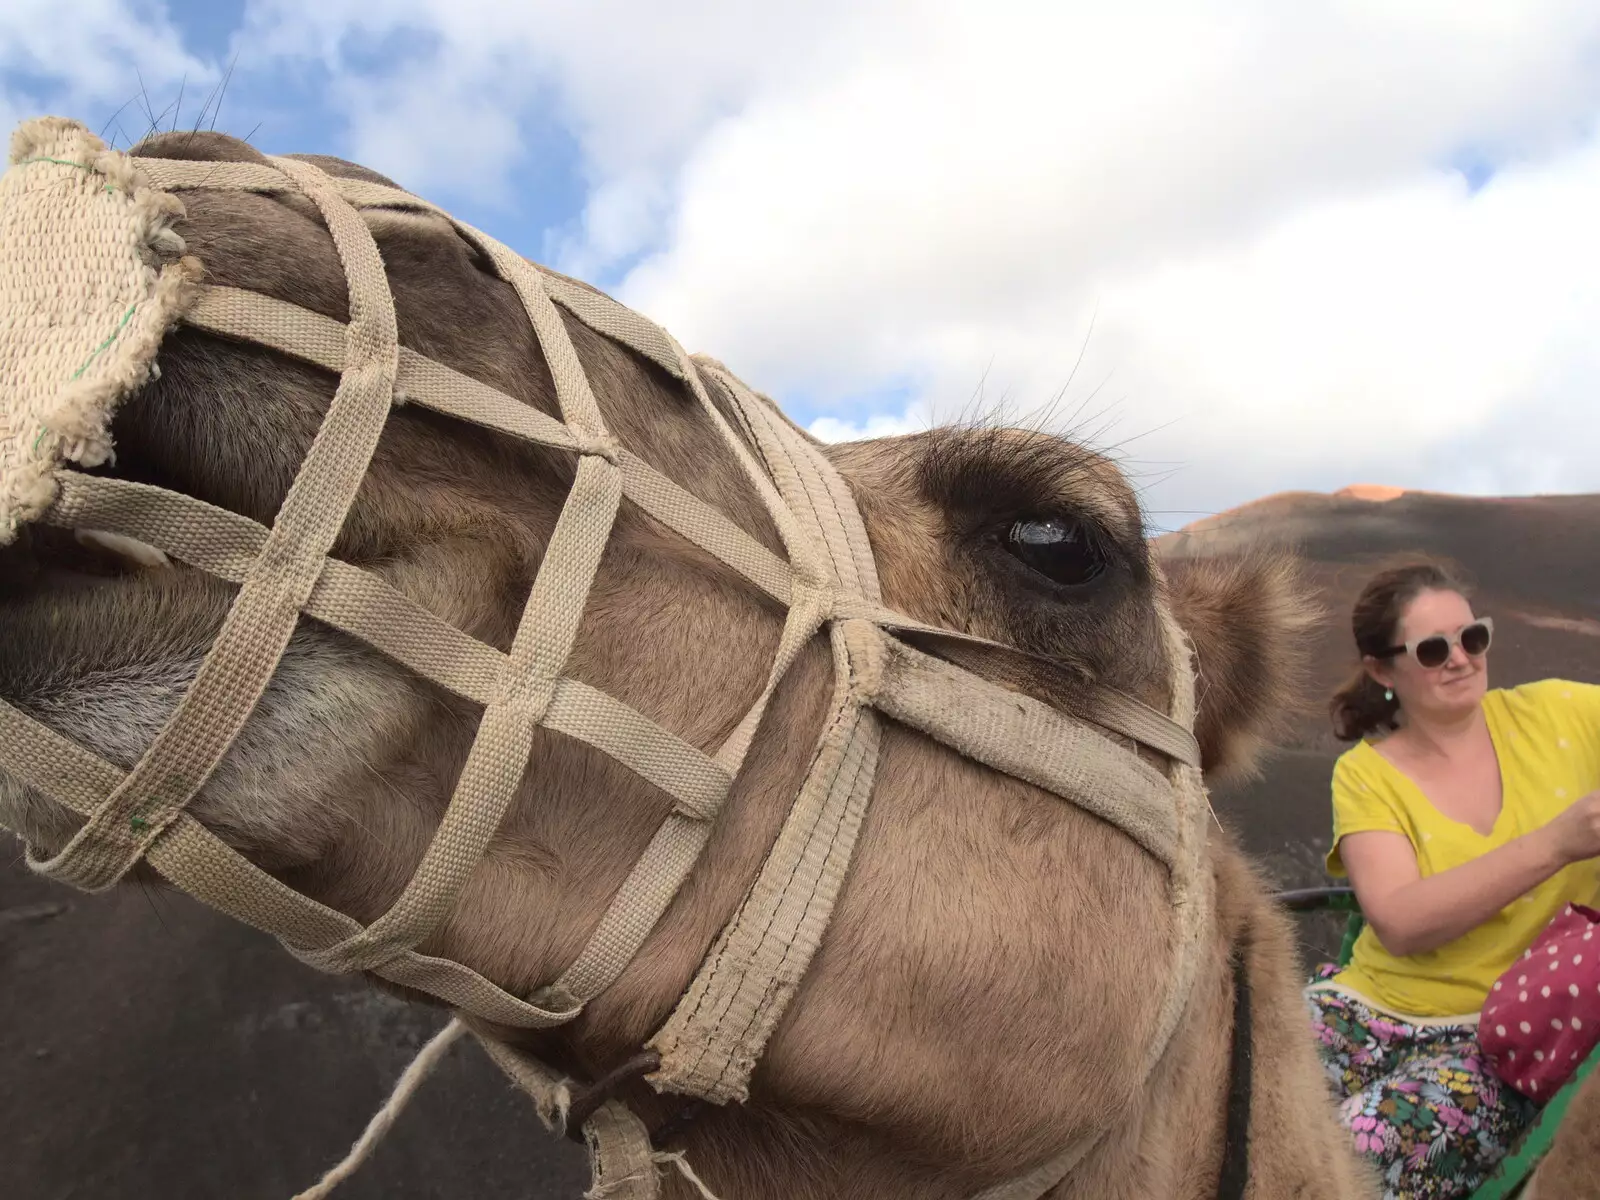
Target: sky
(1242,247)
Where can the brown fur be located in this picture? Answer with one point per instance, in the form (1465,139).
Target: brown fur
(984,990)
(1249,620)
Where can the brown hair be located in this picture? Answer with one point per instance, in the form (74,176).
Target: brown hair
(1359,707)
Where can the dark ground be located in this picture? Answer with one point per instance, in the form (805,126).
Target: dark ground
(153,1048)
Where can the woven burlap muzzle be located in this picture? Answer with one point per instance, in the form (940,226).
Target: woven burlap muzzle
(92,276)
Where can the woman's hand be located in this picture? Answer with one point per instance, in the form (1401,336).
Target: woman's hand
(1575,834)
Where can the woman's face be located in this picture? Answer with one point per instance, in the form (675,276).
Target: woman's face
(1455,686)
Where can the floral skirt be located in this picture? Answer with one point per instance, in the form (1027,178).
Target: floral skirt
(1418,1098)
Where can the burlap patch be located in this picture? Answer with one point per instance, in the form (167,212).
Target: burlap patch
(90,281)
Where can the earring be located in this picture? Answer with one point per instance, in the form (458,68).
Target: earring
(1388,693)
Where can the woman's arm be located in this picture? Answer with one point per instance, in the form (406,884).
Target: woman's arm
(1412,915)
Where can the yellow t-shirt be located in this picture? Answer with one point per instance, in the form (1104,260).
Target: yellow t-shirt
(1547,737)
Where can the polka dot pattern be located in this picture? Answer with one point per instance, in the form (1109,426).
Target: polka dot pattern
(1535,1040)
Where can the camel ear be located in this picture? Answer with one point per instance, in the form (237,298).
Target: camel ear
(1252,619)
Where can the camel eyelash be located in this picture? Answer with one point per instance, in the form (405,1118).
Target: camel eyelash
(986,478)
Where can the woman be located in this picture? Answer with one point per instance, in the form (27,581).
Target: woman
(1466,819)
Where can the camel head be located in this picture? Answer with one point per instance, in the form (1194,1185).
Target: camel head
(984,986)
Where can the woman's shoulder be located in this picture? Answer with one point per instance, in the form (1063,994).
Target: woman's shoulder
(1359,764)
(1548,699)
(1367,792)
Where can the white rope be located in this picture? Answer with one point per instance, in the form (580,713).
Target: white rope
(405,1087)
(660,1158)
(676,1159)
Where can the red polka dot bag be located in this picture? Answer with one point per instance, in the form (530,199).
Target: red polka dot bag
(1542,1016)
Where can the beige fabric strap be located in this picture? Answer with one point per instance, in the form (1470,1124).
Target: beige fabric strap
(251,317)
(543,640)
(710,1044)
(1021,737)
(263,616)
(608,317)
(576,400)
(493,772)
(622,1163)
(1192,885)
(198,862)
(549,1091)
(648,889)
(436,884)
(360,603)
(697,522)
(175,173)
(811,488)
(241,314)
(674,849)
(605,316)
(807,561)
(41,758)
(1029,672)
(677,843)
(595,309)
(619,1156)
(1041,1179)
(1193,904)
(633,912)
(1106,707)
(312,337)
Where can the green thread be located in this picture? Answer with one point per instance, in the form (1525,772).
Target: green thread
(43,429)
(115,334)
(62,162)
(138,824)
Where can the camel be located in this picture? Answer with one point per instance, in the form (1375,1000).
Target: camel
(992,972)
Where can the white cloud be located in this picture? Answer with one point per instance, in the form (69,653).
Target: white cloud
(1250,204)
(635,82)
(1383,330)
(1285,282)
(79,54)
(871,425)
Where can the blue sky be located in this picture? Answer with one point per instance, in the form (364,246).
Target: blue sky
(283,105)
(1255,249)
(291,103)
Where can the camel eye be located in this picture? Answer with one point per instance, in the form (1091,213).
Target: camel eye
(1062,550)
